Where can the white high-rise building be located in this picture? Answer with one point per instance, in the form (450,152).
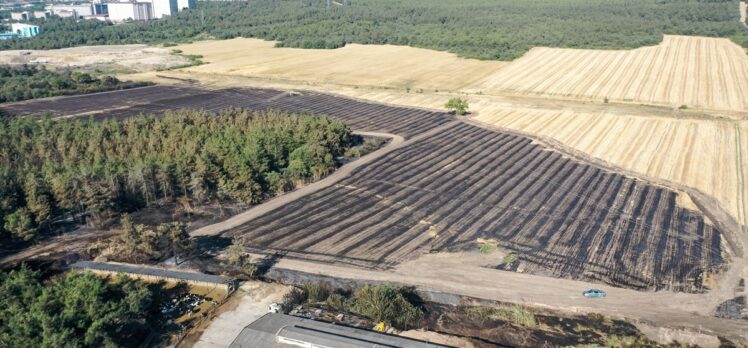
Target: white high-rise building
(163,8)
(186,4)
(124,11)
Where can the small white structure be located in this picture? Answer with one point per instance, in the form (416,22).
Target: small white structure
(24,30)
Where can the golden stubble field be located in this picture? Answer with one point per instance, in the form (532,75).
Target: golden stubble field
(386,66)
(692,71)
(706,150)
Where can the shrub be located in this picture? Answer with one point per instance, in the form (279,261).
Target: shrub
(337,302)
(510,258)
(517,314)
(315,292)
(383,303)
(487,248)
(479,314)
(293,298)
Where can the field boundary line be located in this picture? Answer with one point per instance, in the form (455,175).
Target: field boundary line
(341,173)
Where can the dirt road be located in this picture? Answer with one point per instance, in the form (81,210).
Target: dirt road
(65,244)
(461,273)
(249,303)
(342,172)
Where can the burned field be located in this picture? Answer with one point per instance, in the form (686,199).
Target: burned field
(562,217)
(157,99)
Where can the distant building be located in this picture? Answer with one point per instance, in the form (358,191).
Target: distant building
(25,30)
(20,30)
(72,10)
(163,8)
(186,4)
(21,16)
(42,14)
(285,331)
(125,10)
(135,11)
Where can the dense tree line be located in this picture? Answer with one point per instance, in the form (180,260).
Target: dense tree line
(29,82)
(76,310)
(486,29)
(90,169)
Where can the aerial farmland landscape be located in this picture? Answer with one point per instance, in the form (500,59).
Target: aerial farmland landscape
(374,173)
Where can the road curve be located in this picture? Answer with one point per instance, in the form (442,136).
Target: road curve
(341,173)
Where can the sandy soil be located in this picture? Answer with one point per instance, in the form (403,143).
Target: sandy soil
(248,304)
(111,59)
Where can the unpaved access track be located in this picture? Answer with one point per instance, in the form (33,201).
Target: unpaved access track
(462,274)
(396,142)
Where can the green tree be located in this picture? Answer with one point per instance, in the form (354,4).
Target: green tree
(75,310)
(21,224)
(457,105)
(178,238)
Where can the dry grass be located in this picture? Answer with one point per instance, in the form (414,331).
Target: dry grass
(693,71)
(354,65)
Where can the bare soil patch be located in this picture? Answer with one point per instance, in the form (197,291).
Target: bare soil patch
(111,59)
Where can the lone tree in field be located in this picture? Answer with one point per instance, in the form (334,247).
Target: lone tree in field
(457,105)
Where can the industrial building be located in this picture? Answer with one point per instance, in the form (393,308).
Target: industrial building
(21,16)
(42,14)
(163,8)
(74,10)
(125,11)
(285,331)
(137,10)
(186,4)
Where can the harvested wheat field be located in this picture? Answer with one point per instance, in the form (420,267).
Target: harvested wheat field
(355,65)
(706,155)
(683,70)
